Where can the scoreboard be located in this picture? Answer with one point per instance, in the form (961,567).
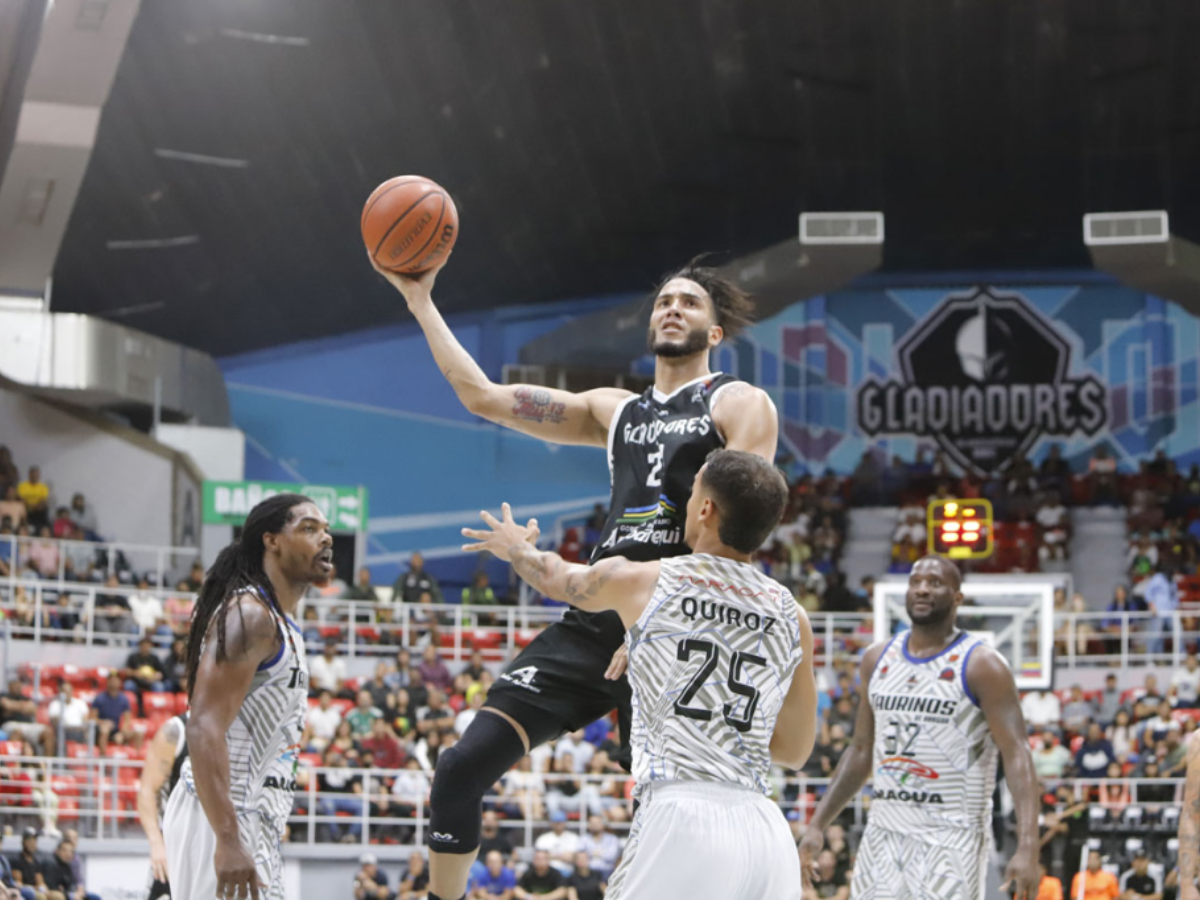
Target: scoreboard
(960,529)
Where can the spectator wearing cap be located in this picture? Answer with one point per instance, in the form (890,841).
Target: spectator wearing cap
(1137,883)
(28,869)
(370,882)
(35,494)
(496,882)
(561,844)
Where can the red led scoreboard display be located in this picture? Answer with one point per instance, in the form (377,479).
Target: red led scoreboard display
(960,529)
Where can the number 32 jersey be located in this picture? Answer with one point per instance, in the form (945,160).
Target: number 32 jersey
(934,756)
(710,661)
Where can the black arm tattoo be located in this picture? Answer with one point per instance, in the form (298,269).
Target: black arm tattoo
(537,405)
(559,580)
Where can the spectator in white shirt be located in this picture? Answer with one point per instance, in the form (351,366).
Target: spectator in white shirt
(467,716)
(1185,684)
(323,720)
(73,713)
(1042,711)
(562,845)
(910,527)
(146,608)
(574,746)
(327,672)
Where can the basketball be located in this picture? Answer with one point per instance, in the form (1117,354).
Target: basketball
(409,223)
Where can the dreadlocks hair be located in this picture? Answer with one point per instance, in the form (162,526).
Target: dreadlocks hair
(238,568)
(734,307)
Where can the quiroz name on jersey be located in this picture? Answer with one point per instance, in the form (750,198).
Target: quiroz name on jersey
(712,611)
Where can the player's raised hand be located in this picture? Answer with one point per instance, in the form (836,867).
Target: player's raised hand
(417,289)
(810,848)
(504,535)
(1022,875)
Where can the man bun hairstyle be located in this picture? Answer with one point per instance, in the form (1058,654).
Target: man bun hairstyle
(750,494)
(734,307)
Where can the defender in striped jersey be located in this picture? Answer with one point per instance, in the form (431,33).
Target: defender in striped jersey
(248,686)
(164,761)
(720,663)
(939,704)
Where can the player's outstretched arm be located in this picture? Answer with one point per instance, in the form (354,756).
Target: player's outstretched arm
(551,415)
(218,692)
(796,727)
(991,682)
(160,759)
(852,772)
(745,416)
(614,583)
(1189,824)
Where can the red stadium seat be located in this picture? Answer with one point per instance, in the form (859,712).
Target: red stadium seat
(181,704)
(159,703)
(368,634)
(11,748)
(330,631)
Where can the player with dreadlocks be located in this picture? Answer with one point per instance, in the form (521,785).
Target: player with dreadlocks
(248,687)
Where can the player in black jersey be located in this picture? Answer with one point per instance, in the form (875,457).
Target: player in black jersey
(572,673)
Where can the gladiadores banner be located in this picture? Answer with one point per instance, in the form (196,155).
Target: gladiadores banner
(981,372)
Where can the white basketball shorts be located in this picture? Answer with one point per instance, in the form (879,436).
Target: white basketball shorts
(928,865)
(693,840)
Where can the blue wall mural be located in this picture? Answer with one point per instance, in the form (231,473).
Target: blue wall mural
(1136,356)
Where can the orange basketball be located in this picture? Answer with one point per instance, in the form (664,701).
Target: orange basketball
(409,223)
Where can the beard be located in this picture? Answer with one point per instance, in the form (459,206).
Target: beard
(933,617)
(693,342)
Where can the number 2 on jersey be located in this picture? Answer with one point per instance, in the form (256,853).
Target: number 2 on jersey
(891,738)
(654,479)
(712,656)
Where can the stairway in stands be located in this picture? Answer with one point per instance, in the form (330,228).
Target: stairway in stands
(868,544)
(1098,546)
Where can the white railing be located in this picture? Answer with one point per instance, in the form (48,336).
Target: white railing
(98,796)
(42,610)
(101,556)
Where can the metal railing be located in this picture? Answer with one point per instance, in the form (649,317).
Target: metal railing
(42,610)
(100,556)
(98,796)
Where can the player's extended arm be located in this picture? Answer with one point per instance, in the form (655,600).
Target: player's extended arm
(796,727)
(746,418)
(991,682)
(551,415)
(614,583)
(220,687)
(853,769)
(160,758)
(1189,824)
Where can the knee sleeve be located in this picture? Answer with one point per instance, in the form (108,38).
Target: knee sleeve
(465,772)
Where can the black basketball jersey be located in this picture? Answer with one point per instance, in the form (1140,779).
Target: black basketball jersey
(656,445)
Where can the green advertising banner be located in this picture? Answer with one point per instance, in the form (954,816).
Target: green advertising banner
(229,502)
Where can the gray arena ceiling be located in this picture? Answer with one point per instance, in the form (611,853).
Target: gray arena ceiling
(590,145)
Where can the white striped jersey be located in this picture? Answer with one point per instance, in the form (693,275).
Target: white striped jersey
(934,757)
(264,739)
(710,661)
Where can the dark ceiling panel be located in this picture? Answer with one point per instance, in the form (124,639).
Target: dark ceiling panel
(592,145)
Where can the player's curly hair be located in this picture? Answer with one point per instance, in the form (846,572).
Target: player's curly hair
(238,568)
(750,494)
(734,307)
